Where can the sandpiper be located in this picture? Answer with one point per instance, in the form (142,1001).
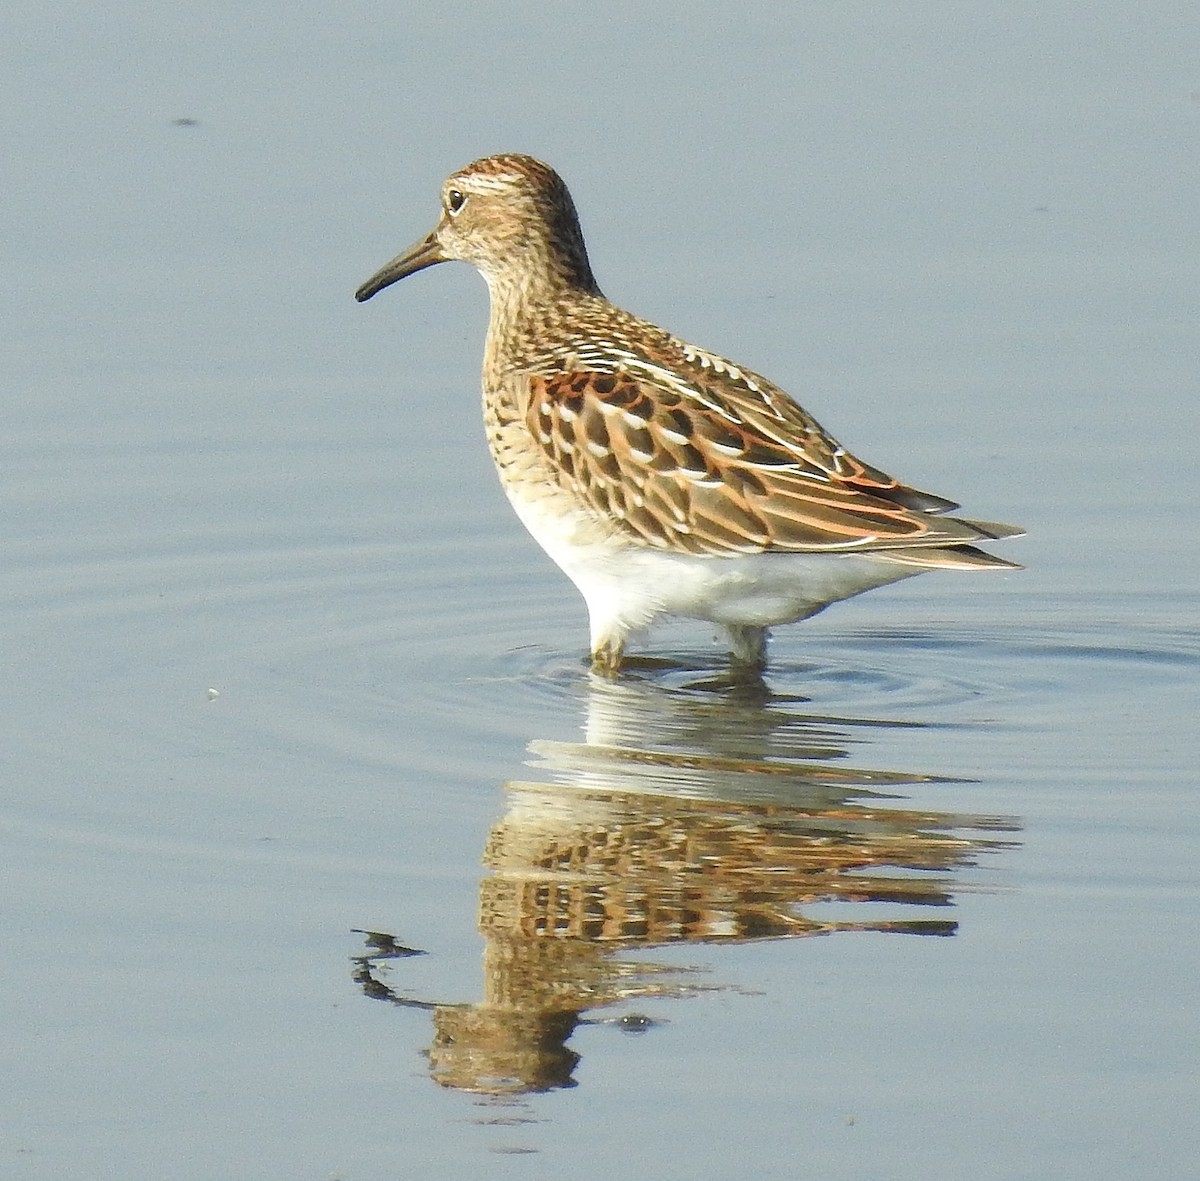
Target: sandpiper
(664,480)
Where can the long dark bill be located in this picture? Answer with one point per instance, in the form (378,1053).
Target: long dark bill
(425,253)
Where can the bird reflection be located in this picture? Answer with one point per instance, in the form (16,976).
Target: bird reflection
(704,816)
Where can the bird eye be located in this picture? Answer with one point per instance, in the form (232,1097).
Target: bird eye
(455,200)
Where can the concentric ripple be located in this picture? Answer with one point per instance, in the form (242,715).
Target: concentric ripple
(449,655)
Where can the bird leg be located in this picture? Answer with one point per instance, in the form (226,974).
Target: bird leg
(607,657)
(747,647)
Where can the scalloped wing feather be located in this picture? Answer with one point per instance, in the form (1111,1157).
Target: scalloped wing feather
(739,469)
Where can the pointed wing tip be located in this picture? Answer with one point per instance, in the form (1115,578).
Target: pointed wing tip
(996,530)
(949,557)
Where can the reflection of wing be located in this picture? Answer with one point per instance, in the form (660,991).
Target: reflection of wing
(727,463)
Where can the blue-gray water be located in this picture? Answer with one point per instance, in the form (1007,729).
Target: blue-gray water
(285,686)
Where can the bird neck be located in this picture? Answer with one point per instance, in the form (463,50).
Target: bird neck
(528,310)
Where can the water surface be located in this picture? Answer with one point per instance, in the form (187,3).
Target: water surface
(289,697)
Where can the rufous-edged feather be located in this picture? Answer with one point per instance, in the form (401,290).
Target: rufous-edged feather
(664,479)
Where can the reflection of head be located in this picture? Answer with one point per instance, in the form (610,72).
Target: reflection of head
(502,1051)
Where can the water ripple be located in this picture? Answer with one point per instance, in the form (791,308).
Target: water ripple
(354,639)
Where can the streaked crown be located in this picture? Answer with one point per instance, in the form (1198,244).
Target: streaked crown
(512,217)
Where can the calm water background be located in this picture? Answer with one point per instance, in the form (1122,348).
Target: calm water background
(280,666)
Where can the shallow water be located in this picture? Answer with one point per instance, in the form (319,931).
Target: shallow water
(289,696)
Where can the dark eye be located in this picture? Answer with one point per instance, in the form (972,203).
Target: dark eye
(455,199)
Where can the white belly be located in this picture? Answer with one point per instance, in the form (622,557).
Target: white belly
(628,586)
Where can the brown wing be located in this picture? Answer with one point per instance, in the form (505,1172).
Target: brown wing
(718,469)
